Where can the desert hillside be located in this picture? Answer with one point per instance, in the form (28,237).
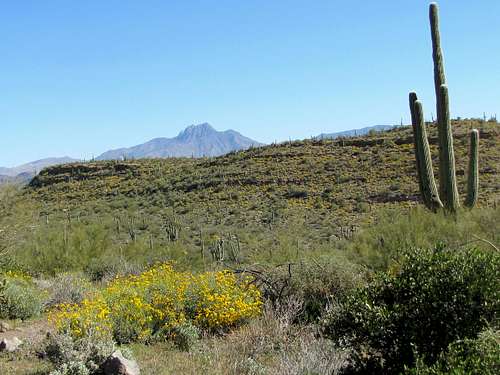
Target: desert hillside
(327,184)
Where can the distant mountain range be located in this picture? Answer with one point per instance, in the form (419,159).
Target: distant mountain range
(35,166)
(355,132)
(196,140)
(24,173)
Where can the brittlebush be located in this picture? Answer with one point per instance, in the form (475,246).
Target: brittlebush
(154,303)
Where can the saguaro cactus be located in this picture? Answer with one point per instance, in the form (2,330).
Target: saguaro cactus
(448,191)
(439,79)
(473,176)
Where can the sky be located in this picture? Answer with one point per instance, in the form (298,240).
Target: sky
(78,78)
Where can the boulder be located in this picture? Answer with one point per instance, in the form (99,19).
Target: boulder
(10,345)
(117,364)
(4,327)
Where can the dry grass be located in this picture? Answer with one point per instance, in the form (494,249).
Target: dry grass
(268,345)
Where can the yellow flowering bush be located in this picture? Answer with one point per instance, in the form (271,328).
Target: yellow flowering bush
(85,319)
(19,275)
(220,301)
(156,302)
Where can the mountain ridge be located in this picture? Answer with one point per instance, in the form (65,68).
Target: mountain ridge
(35,165)
(196,141)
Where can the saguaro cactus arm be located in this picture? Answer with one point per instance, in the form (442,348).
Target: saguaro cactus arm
(412,99)
(473,175)
(430,194)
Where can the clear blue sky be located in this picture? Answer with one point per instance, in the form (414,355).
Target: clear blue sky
(80,77)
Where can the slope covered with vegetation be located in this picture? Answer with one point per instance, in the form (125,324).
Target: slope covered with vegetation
(268,203)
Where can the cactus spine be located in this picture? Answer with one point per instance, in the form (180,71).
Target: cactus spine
(448,192)
(473,175)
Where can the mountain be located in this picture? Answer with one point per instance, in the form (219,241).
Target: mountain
(21,178)
(25,172)
(35,166)
(196,140)
(355,132)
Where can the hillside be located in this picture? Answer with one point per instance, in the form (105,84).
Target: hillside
(275,198)
(196,140)
(313,173)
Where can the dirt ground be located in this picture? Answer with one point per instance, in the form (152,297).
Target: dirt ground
(25,360)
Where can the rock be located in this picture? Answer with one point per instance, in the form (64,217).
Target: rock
(10,345)
(4,327)
(117,364)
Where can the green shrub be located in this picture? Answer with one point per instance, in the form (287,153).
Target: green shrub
(82,356)
(436,297)
(19,297)
(185,336)
(314,283)
(106,268)
(57,247)
(469,356)
(67,288)
(381,244)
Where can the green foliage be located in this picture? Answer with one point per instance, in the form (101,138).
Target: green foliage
(57,248)
(67,288)
(82,356)
(313,282)
(107,267)
(469,356)
(19,297)
(113,215)
(185,336)
(380,246)
(436,297)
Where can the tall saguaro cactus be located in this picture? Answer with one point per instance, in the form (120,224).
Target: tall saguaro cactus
(448,192)
(439,79)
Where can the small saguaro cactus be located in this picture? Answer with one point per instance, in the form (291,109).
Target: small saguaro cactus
(448,192)
(473,175)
